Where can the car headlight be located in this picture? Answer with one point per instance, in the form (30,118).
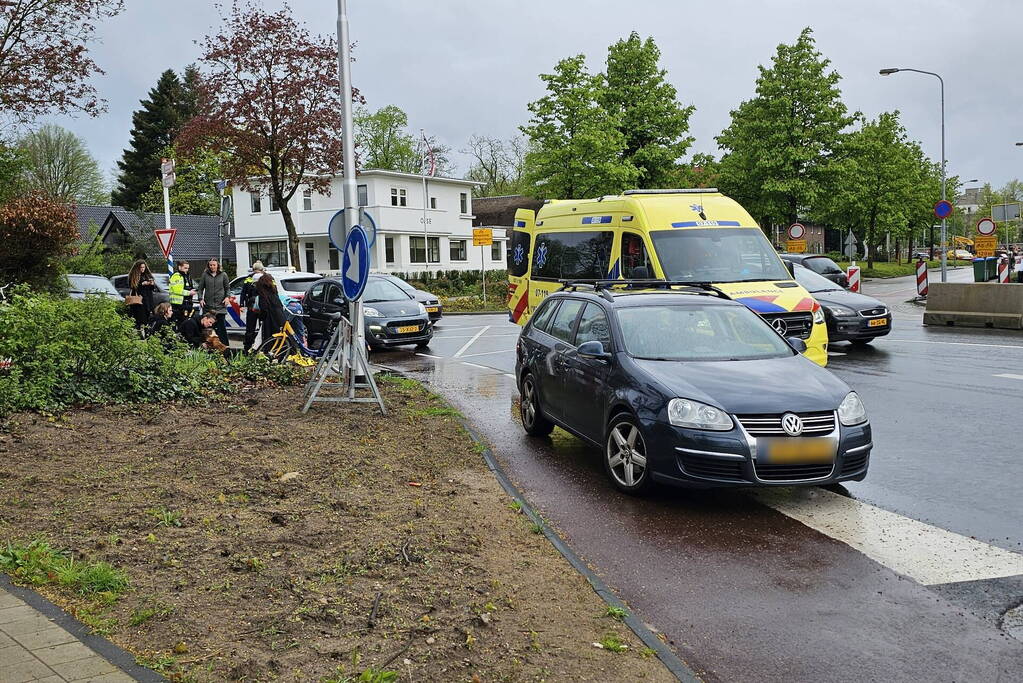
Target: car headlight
(818,316)
(837,309)
(422,308)
(371,312)
(851,410)
(683,412)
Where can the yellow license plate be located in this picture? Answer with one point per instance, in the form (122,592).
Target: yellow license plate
(408,328)
(880,322)
(432,309)
(785,451)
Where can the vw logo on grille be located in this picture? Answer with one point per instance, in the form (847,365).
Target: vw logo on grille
(792,424)
(780,326)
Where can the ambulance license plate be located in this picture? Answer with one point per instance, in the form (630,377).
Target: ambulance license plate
(408,328)
(795,451)
(879,322)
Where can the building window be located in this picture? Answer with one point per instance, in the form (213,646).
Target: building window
(433,202)
(363,191)
(398,197)
(497,251)
(273,204)
(334,259)
(463,202)
(257,204)
(457,250)
(415,250)
(389,249)
(310,257)
(270,253)
(307,200)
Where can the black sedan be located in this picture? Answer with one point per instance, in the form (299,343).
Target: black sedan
(434,307)
(392,317)
(686,389)
(820,264)
(850,316)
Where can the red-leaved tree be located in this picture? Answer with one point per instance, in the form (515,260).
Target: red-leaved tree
(44,57)
(269,98)
(37,233)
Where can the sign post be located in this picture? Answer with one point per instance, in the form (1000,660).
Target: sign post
(167,178)
(943,209)
(483,238)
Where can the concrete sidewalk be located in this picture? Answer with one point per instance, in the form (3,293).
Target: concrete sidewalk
(36,645)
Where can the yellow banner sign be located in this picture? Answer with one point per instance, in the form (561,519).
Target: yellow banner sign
(985,245)
(482,237)
(796,246)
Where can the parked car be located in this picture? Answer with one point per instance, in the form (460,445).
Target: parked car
(431,301)
(687,389)
(822,265)
(924,255)
(392,317)
(851,317)
(161,294)
(293,283)
(80,286)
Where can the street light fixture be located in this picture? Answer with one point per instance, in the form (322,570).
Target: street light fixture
(944,222)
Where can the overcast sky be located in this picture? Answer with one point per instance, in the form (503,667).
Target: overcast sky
(459,67)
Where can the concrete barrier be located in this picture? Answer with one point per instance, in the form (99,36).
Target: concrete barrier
(975,304)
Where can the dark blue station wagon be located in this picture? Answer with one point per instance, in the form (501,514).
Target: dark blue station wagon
(686,387)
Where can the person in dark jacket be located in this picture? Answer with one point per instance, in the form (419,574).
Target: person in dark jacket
(196,329)
(250,300)
(163,316)
(270,306)
(215,297)
(141,283)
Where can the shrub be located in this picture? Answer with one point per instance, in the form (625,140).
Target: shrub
(37,233)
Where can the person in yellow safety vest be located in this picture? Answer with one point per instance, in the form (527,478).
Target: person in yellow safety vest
(181,291)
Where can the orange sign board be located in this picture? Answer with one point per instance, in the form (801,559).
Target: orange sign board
(985,245)
(482,237)
(796,246)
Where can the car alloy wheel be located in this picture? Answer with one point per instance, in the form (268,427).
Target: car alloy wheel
(533,421)
(625,457)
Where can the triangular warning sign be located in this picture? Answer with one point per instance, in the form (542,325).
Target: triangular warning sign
(166,240)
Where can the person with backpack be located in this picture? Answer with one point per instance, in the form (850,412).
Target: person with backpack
(181,291)
(250,300)
(214,295)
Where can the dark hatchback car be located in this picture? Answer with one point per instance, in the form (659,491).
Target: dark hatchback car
(434,308)
(392,317)
(686,389)
(850,316)
(822,265)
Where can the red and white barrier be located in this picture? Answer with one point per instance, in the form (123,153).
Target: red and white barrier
(853,273)
(921,278)
(1003,271)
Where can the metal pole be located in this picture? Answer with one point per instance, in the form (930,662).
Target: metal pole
(944,229)
(166,225)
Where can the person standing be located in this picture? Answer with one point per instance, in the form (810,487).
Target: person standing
(182,289)
(213,293)
(250,300)
(1019,268)
(142,285)
(270,305)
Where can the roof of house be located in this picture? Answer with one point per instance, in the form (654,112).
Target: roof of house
(414,176)
(501,210)
(197,237)
(89,214)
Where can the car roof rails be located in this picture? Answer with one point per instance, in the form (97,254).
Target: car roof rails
(603,286)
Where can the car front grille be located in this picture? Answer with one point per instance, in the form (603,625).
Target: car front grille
(814,424)
(854,463)
(791,324)
(712,468)
(792,472)
(873,312)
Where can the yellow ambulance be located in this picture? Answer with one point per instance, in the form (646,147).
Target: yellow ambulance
(696,235)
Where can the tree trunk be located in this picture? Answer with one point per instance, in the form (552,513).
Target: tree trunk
(289,224)
(898,252)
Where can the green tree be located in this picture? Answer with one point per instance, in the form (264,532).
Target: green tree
(498,164)
(780,148)
(701,171)
(194,191)
(650,118)
(576,146)
(57,162)
(170,106)
(12,167)
(384,141)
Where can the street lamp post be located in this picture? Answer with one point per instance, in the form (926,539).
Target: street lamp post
(944,222)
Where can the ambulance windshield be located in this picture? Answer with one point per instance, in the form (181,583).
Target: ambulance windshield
(718,255)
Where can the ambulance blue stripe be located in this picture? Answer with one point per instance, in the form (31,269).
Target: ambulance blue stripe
(520,224)
(696,224)
(587,220)
(761,306)
(615,271)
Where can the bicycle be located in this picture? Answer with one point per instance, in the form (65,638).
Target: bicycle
(285,344)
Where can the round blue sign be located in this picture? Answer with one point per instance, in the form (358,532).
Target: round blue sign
(943,209)
(355,264)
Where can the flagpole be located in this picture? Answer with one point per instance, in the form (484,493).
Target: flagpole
(426,200)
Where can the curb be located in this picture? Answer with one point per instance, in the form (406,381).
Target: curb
(669,659)
(122,659)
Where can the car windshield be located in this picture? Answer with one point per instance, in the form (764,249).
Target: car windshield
(813,282)
(297,284)
(401,283)
(379,289)
(695,333)
(91,283)
(822,265)
(718,255)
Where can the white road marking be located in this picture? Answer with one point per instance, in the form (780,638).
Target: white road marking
(481,367)
(469,343)
(836,353)
(508,374)
(469,336)
(428,355)
(1009,375)
(925,553)
(487,353)
(924,341)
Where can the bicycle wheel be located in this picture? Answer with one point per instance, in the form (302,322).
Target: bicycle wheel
(277,350)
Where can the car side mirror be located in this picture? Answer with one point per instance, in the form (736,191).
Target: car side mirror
(796,343)
(593,350)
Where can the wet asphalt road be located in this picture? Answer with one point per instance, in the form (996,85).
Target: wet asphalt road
(747,593)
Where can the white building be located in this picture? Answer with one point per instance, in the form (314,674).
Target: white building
(395,201)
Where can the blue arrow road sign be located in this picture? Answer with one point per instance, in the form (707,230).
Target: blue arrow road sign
(355,263)
(943,209)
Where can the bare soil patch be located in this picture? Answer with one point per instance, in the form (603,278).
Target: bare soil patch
(263,544)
